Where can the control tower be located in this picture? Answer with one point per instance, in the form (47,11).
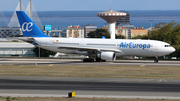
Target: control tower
(111,17)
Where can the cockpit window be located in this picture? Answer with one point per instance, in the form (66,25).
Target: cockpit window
(167,46)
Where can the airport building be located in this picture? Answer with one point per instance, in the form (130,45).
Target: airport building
(123,30)
(6,32)
(125,22)
(138,32)
(129,27)
(75,32)
(63,33)
(12,48)
(119,30)
(88,28)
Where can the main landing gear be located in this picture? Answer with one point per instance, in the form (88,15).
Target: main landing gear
(92,60)
(100,60)
(156,59)
(88,60)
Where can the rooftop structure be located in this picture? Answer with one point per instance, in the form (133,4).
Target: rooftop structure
(111,17)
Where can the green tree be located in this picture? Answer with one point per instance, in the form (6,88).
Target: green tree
(120,37)
(160,25)
(140,37)
(98,33)
(175,35)
(43,52)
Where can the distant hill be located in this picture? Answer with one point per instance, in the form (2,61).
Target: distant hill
(134,13)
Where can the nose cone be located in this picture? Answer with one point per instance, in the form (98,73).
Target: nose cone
(172,49)
(166,51)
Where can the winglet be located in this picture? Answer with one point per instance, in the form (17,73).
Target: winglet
(28,27)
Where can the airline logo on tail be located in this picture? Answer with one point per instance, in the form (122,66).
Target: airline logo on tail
(27,26)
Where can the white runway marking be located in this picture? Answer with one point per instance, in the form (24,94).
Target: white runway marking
(163,80)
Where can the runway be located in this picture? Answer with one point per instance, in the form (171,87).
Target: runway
(31,86)
(56,62)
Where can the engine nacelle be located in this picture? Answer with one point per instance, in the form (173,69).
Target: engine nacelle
(107,56)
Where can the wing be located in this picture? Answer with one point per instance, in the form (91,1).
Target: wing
(85,48)
(90,49)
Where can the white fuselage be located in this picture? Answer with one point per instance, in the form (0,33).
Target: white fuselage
(103,49)
(126,47)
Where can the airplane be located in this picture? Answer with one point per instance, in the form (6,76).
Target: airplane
(102,49)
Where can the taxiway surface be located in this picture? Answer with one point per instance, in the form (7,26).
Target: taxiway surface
(56,62)
(31,86)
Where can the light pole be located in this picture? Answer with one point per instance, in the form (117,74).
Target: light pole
(151,23)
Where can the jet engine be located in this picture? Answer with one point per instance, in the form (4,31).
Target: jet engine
(107,56)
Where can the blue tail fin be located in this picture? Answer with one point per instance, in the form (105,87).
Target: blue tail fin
(28,27)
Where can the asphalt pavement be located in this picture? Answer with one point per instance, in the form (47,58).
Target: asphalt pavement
(25,86)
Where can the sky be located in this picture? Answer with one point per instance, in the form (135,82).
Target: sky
(93,5)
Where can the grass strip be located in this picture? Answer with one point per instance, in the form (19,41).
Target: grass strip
(144,72)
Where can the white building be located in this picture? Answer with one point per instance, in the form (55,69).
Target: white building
(121,31)
(129,27)
(18,49)
(75,32)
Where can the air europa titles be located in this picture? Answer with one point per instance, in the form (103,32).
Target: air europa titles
(133,45)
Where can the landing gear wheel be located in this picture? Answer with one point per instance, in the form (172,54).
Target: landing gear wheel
(88,60)
(98,59)
(156,60)
(103,60)
(91,60)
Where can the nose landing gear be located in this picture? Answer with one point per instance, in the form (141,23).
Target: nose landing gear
(156,59)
